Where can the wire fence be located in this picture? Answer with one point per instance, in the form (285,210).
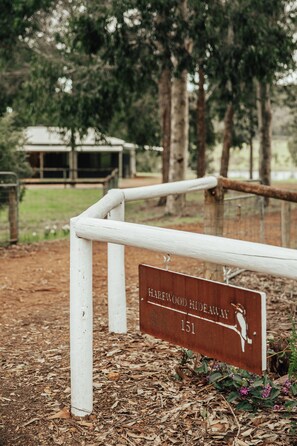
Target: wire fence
(246,217)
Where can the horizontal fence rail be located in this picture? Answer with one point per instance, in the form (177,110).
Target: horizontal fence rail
(108,179)
(92,225)
(258,189)
(224,251)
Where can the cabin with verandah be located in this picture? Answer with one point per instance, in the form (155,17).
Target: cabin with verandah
(52,157)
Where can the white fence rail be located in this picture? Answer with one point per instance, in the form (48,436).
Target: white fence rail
(90,225)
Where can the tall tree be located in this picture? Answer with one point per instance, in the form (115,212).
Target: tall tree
(275,39)
(180,109)
(266,36)
(203,29)
(230,63)
(201,124)
(72,86)
(265,131)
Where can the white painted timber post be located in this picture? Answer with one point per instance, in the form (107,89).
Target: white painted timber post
(117,313)
(81,324)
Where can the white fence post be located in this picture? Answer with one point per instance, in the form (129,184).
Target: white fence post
(81,324)
(117,314)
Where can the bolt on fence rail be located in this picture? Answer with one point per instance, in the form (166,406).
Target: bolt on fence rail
(91,225)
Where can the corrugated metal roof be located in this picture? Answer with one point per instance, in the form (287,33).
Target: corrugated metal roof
(51,139)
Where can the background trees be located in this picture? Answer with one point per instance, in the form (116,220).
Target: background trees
(128,67)
(19,21)
(11,158)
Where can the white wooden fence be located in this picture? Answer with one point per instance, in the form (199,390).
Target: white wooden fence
(92,225)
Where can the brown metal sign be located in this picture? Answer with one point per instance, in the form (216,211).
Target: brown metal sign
(217,320)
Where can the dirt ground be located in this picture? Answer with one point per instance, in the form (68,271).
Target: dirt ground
(137,400)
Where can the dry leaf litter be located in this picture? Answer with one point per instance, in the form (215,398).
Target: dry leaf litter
(137,399)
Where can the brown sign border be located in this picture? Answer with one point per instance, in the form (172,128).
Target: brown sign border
(227,323)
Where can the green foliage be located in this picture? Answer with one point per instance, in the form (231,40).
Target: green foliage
(11,158)
(250,41)
(139,121)
(247,391)
(11,140)
(250,392)
(148,160)
(292,372)
(97,64)
(17,19)
(19,22)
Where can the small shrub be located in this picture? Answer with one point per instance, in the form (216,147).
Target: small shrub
(292,372)
(247,391)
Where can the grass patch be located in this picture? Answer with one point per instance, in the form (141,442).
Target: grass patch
(61,204)
(45,213)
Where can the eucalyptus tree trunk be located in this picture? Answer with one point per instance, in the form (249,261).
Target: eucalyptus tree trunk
(164,95)
(251,162)
(251,144)
(264,121)
(179,139)
(229,114)
(227,139)
(201,129)
(179,125)
(164,86)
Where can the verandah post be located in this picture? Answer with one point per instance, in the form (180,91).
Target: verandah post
(117,314)
(81,324)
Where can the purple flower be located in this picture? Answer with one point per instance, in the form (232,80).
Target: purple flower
(244,391)
(285,390)
(286,387)
(266,391)
(277,407)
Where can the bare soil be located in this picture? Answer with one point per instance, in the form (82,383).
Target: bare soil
(137,399)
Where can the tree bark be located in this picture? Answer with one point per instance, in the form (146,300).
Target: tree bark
(214,225)
(264,121)
(251,158)
(227,140)
(165,120)
(201,130)
(164,87)
(179,139)
(179,124)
